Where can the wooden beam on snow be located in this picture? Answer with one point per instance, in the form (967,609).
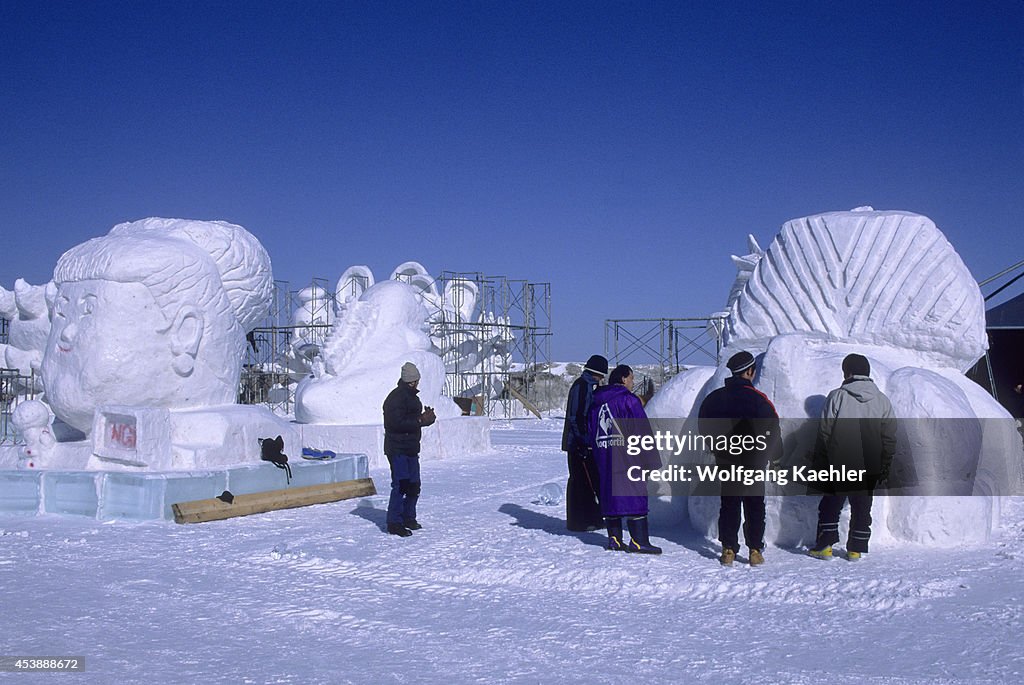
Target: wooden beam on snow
(199,511)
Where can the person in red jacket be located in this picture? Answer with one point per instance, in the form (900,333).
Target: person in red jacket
(735,411)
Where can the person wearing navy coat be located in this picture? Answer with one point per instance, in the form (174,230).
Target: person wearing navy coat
(582,509)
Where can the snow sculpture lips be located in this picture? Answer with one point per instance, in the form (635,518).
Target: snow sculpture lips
(890,279)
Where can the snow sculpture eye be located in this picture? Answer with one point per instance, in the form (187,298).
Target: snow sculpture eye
(60,309)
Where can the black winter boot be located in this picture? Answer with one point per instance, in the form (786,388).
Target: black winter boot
(399,530)
(639,541)
(614,526)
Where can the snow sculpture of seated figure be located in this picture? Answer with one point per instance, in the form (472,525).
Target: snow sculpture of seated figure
(153,314)
(362,360)
(888,285)
(31,420)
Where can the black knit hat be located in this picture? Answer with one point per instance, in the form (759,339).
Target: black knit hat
(597,364)
(856,365)
(740,362)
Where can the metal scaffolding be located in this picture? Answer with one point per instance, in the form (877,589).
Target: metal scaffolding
(493,333)
(496,335)
(14,388)
(666,346)
(269,374)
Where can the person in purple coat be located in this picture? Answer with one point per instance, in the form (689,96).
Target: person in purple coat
(615,414)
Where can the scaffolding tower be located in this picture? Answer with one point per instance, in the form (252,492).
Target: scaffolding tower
(268,378)
(665,346)
(496,334)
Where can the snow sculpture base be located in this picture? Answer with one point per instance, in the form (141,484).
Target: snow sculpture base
(948,426)
(148,495)
(446,438)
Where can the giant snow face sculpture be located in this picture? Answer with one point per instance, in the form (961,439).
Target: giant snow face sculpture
(154,314)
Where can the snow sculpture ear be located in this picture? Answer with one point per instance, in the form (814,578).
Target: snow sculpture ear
(186,333)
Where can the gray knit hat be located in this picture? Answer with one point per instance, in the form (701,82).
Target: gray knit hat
(410,373)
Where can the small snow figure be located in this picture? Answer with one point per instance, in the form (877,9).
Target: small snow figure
(32,421)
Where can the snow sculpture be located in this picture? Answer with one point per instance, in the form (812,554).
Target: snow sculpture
(353,283)
(153,314)
(473,343)
(882,278)
(888,285)
(419,278)
(362,358)
(25,308)
(32,423)
(309,318)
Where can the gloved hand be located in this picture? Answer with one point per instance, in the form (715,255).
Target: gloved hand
(428,417)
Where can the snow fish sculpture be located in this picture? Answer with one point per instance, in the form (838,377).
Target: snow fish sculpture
(888,285)
(882,278)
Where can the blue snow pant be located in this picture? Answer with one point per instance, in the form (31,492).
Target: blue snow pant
(753,521)
(860,521)
(405,488)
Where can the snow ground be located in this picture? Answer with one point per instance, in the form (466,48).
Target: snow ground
(494,589)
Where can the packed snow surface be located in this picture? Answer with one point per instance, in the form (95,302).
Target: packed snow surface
(494,589)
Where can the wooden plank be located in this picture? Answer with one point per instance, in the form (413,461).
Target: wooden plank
(522,398)
(198,511)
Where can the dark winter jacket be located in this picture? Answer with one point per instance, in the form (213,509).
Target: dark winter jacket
(738,410)
(581,394)
(615,415)
(857,429)
(402,410)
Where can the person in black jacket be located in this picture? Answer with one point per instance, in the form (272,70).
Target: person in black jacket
(736,411)
(404,418)
(582,507)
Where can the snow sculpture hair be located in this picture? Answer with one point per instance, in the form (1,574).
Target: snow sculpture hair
(881,278)
(215,264)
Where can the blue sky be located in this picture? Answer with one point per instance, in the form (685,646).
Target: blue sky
(619,151)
